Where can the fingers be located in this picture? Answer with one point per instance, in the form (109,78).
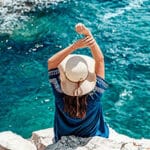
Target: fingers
(79,27)
(82,29)
(88,41)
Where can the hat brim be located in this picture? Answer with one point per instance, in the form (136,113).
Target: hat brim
(85,86)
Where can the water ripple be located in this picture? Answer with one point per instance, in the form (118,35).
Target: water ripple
(133,4)
(12,13)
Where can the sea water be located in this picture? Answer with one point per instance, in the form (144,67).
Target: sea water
(31,32)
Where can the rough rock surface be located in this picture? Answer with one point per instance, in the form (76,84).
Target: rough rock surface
(95,143)
(43,140)
(115,142)
(11,141)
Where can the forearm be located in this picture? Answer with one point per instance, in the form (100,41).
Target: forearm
(96,52)
(56,59)
(99,59)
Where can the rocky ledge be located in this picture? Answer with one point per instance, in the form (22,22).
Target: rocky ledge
(43,140)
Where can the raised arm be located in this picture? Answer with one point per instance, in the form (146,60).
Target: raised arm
(99,60)
(95,49)
(56,59)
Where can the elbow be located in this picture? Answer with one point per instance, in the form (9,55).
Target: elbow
(50,63)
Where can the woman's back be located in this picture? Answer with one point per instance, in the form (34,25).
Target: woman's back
(92,124)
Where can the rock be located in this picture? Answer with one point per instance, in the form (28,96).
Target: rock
(115,142)
(12,141)
(42,138)
(119,137)
(1,2)
(93,143)
(145,142)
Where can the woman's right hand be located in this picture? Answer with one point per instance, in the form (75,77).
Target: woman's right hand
(88,41)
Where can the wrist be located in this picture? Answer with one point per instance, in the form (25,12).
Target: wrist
(72,47)
(93,44)
(87,33)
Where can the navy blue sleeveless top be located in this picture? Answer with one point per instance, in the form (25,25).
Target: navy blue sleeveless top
(92,125)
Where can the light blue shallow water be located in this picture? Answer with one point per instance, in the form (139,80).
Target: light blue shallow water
(122,29)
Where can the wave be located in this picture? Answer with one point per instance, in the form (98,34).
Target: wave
(132,5)
(13,12)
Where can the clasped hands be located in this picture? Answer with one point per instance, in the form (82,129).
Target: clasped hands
(87,41)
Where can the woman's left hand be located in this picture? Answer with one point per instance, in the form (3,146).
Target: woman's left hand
(88,41)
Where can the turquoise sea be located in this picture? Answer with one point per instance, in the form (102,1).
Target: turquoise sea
(33,32)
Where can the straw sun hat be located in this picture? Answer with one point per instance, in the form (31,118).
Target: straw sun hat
(77,75)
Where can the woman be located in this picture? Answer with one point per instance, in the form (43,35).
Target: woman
(78,83)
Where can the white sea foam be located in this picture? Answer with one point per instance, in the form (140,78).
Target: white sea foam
(12,11)
(124,97)
(132,5)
